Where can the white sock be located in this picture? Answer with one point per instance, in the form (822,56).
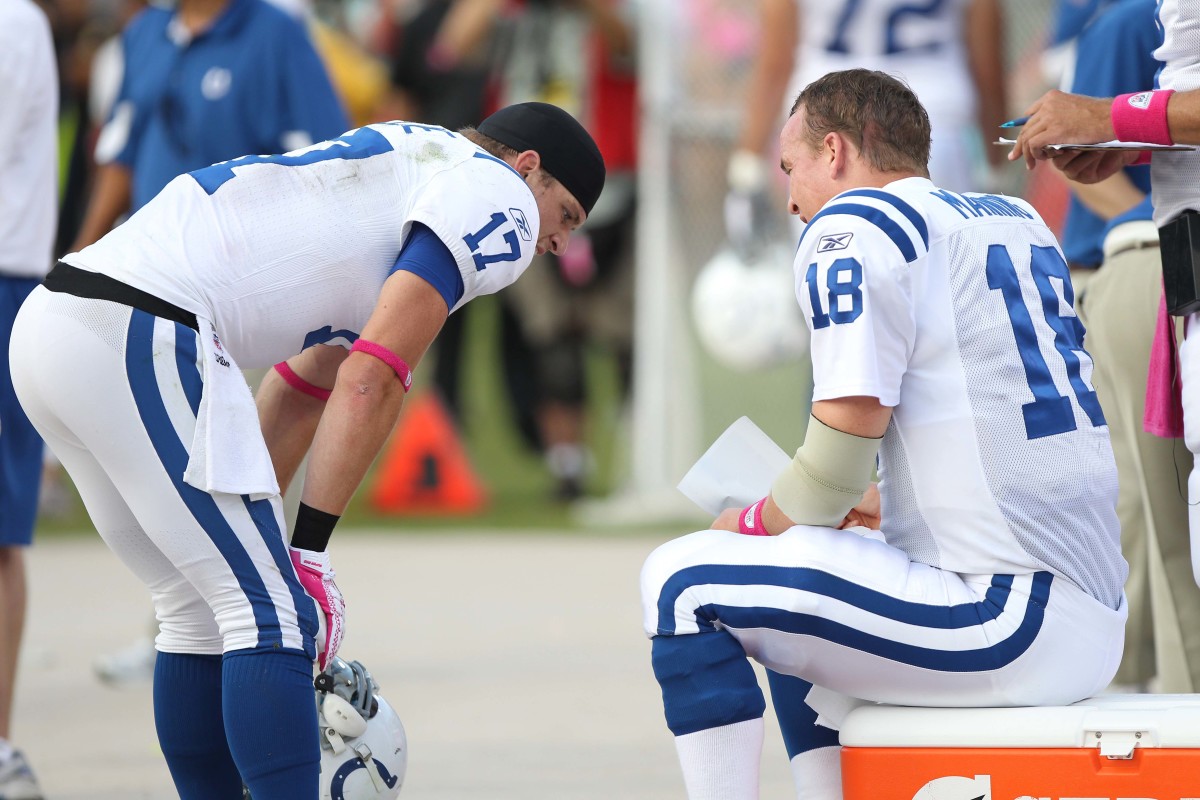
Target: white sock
(6,750)
(567,460)
(818,774)
(722,763)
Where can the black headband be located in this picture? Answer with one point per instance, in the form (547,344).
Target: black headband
(568,152)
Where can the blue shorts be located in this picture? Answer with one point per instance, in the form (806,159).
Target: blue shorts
(20,445)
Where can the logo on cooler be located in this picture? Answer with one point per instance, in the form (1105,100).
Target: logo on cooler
(956,787)
(1141,100)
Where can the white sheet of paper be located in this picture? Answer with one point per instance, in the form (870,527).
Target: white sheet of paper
(1113,145)
(737,470)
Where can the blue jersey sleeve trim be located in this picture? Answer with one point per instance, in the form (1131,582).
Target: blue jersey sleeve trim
(877,218)
(904,208)
(426,256)
(501,162)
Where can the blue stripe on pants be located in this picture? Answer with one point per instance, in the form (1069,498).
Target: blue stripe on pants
(306,612)
(925,615)
(139,367)
(185,361)
(816,581)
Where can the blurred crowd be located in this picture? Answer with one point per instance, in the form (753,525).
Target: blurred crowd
(124,130)
(129,120)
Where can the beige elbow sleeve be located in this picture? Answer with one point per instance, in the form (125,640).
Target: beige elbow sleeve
(827,477)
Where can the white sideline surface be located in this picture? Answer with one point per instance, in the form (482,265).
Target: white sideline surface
(517,663)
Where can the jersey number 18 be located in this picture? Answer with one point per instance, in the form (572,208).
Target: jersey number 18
(1050,412)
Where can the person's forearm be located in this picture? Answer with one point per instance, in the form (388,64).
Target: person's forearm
(616,32)
(468,23)
(289,420)
(985,48)
(772,70)
(1110,197)
(111,196)
(1183,117)
(360,415)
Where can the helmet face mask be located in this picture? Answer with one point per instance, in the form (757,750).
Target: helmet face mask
(351,682)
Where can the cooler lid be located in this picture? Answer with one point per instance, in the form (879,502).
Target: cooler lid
(1114,723)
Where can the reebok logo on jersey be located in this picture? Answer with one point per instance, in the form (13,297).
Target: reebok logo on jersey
(522,223)
(836,241)
(1141,100)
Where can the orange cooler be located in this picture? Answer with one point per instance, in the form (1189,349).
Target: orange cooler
(1113,747)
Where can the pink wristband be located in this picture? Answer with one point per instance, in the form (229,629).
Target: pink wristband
(388,357)
(1142,117)
(299,384)
(750,521)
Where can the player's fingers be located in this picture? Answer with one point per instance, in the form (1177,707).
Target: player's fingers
(1037,104)
(727,520)
(1064,160)
(1016,152)
(1021,148)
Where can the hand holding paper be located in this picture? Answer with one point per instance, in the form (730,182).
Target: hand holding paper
(737,470)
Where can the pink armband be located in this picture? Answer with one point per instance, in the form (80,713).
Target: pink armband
(1142,117)
(299,384)
(750,522)
(388,357)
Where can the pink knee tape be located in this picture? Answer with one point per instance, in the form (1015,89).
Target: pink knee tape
(299,384)
(388,357)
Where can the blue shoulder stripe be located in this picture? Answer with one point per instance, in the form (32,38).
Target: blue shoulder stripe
(904,208)
(489,157)
(877,218)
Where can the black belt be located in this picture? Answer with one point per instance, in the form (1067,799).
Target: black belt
(81,283)
(1144,245)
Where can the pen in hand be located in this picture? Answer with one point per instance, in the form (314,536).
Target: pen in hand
(1015,123)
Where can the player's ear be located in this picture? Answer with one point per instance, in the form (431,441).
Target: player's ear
(527,161)
(838,152)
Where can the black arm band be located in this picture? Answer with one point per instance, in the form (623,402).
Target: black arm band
(313,529)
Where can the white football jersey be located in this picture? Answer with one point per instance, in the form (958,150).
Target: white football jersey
(28,141)
(921,43)
(283,252)
(956,310)
(1175,175)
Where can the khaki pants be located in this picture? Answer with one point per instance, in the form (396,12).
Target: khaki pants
(1118,306)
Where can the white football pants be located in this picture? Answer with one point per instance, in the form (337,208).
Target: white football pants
(854,615)
(114,392)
